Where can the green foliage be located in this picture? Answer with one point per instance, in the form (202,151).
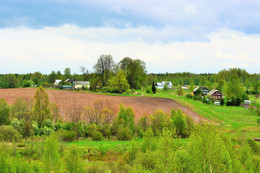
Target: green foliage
(66,135)
(180,124)
(234,88)
(51,155)
(4,112)
(180,91)
(17,125)
(21,109)
(191,87)
(27,83)
(74,163)
(118,83)
(148,142)
(97,136)
(41,106)
(9,134)
(123,133)
(159,120)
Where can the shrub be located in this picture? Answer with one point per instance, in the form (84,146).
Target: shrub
(189,96)
(57,126)
(9,134)
(148,90)
(97,136)
(197,97)
(128,91)
(46,131)
(35,128)
(222,101)
(132,90)
(66,135)
(92,128)
(48,123)
(17,125)
(123,134)
(105,89)
(245,97)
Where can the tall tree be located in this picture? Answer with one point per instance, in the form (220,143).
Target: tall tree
(234,88)
(135,71)
(52,77)
(119,83)
(41,106)
(67,73)
(104,67)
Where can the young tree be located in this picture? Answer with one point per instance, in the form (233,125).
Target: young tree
(73,160)
(4,112)
(41,106)
(52,77)
(180,91)
(234,88)
(51,155)
(180,124)
(119,83)
(191,87)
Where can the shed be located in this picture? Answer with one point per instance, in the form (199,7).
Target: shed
(80,84)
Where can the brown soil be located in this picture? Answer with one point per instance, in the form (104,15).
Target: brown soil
(69,101)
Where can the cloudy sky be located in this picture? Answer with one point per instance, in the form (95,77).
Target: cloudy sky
(169,35)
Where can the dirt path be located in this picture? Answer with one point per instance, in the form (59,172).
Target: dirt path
(69,102)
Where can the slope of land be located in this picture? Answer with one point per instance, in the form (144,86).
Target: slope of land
(69,102)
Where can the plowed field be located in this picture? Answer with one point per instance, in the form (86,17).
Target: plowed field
(69,102)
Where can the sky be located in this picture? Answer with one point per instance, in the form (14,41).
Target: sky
(198,36)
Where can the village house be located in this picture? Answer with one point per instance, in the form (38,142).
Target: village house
(160,85)
(204,90)
(57,81)
(80,84)
(215,95)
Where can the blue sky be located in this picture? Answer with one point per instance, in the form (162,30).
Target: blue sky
(170,36)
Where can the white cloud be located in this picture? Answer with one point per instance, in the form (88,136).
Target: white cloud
(28,50)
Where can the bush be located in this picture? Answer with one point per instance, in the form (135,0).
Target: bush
(46,131)
(97,136)
(245,97)
(148,90)
(9,134)
(35,128)
(123,134)
(105,89)
(132,90)
(222,101)
(197,97)
(189,96)
(92,128)
(17,125)
(66,135)
(47,123)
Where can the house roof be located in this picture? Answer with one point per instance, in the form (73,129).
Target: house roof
(213,91)
(57,81)
(81,82)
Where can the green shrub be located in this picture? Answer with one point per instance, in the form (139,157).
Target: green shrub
(132,90)
(9,134)
(222,101)
(46,131)
(35,128)
(92,128)
(17,125)
(57,126)
(66,135)
(48,123)
(4,112)
(148,90)
(105,89)
(124,134)
(97,136)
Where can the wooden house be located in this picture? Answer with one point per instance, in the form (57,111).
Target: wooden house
(204,90)
(215,95)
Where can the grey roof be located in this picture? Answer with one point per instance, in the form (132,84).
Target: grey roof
(81,82)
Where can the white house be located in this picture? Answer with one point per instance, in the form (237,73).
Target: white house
(160,85)
(57,81)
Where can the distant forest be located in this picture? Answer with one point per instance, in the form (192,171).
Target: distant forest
(134,71)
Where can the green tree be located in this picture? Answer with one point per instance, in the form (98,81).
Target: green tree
(180,124)
(135,71)
(73,160)
(119,83)
(52,77)
(41,109)
(4,112)
(191,87)
(234,88)
(256,86)
(51,155)
(180,91)
(104,67)
(67,73)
